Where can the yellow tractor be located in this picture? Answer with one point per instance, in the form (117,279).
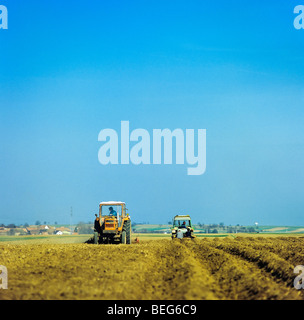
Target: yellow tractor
(113,224)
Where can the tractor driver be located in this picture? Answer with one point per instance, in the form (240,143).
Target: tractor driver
(113,212)
(188,232)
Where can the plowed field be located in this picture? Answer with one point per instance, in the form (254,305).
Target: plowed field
(220,268)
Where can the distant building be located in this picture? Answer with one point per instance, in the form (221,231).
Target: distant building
(32,231)
(64,230)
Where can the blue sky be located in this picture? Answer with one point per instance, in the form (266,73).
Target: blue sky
(69,69)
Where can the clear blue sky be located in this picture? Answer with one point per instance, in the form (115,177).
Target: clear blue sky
(71,68)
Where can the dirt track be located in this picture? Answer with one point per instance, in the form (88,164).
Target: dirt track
(241,268)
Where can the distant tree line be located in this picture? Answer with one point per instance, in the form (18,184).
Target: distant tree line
(9,226)
(221,228)
(88,228)
(84,228)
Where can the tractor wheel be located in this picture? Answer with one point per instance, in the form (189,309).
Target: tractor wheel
(128,232)
(123,237)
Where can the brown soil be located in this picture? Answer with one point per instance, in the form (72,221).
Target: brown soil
(240,268)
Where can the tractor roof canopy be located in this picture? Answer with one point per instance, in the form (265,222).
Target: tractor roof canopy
(186,217)
(113,203)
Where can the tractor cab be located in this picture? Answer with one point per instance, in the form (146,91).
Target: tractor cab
(182,222)
(111,213)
